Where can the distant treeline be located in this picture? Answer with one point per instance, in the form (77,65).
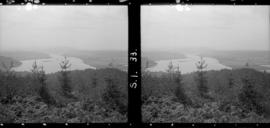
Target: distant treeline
(235,59)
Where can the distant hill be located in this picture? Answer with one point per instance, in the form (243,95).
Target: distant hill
(161,55)
(152,56)
(102,59)
(238,59)
(6,57)
(24,55)
(119,59)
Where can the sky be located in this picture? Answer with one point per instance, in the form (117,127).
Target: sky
(163,27)
(212,27)
(78,27)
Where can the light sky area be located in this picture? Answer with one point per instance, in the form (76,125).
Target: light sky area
(79,27)
(214,27)
(163,27)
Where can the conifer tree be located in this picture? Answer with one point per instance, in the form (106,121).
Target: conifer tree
(201,78)
(35,69)
(230,80)
(170,70)
(35,76)
(9,73)
(43,91)
(65,79)
(179,91)
(39,77)
(145,72)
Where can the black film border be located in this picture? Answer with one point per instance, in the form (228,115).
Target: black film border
(134,58)
(141,2)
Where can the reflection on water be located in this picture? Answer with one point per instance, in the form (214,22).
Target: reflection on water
(187,64)
(51,65)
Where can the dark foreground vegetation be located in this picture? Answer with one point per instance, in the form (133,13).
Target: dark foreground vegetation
(66,96)
(226,96)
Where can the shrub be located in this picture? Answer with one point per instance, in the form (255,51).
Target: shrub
(113,97)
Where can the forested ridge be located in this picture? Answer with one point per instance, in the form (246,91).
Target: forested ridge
(225,96)
(66,96)
(238,95)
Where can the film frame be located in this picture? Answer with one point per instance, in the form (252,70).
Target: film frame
(134,59)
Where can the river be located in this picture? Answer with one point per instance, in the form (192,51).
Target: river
(51,65)
(187,65)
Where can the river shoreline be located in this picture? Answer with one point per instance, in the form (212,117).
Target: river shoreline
(51,65)
(187,65)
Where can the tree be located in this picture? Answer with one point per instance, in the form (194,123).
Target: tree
(35,69)
(94,81)
(147,64)
(8,81)
(113,96)
(111,65)
(230,80)
(201,78)
(8,69)
(247,65)
(249,97)
(146,92)
(35,76)
(170,70)
(43,91)
(179,91)
(64,78)
(145,71)
(39,77)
